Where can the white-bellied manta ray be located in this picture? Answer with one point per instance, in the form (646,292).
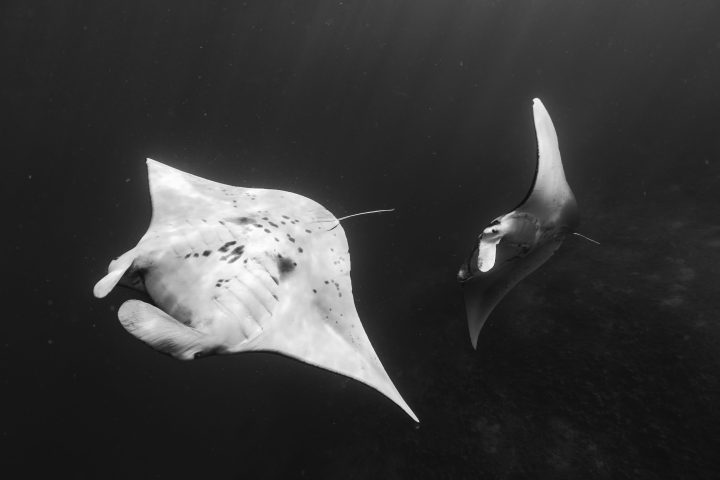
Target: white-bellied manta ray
(232,269)
(515,244)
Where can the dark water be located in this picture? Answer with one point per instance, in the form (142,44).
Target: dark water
(603,364)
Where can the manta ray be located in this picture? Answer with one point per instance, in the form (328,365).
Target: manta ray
(231,269)
(515,244)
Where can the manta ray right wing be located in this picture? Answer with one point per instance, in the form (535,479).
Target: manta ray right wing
(516,244)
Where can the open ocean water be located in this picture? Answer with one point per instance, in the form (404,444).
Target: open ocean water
(603,364)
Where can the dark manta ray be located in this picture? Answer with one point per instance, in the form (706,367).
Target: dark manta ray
(233,269)
(516,244)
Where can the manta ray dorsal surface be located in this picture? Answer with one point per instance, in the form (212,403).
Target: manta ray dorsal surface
(232,269)
(515,244)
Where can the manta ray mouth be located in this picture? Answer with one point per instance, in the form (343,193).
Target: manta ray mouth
(135,293)
(134,281)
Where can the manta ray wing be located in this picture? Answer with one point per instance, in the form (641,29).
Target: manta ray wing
(516,244)
(234,269)
(482,293)
(550,197)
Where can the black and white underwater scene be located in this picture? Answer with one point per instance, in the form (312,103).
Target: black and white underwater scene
(360,239)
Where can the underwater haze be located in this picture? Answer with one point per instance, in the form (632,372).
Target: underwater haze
(603,364)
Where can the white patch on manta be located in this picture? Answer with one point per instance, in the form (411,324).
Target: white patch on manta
(233,269)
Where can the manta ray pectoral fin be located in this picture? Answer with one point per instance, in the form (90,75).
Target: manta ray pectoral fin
(550,197)
(160,330)
(116,270)
(483,293)
(478,306)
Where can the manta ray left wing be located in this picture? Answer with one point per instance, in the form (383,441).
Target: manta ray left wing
(516,244)
(234,269)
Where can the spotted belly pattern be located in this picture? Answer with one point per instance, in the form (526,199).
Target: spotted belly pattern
(234,269)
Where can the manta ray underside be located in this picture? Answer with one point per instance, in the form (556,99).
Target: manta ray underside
(233,269)
(515,244)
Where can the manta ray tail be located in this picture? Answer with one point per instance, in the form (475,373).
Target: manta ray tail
(160,330)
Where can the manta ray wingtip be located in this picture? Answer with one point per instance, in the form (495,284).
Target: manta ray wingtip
(474,326)
(400,402)
(540,112)
(404,406)
(155,167)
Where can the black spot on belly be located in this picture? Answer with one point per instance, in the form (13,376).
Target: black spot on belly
(227,246)
(285,265)
(235,254)
(240,220)
(196,255)
(206,253)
